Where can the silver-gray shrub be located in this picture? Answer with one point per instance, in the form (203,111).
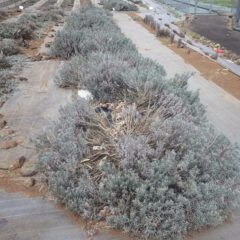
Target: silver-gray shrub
(69,76)
(6,84)
(89,17)
(125,77)
(106,82)
(27,24)
(173,178)
(82,42)
(84,34)
(8,47)
(118,5)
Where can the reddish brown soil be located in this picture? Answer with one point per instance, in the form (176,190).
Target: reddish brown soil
(209,69)
(8,15)
(35,44)
(13,182)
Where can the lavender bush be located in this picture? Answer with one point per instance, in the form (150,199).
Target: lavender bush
(118,5)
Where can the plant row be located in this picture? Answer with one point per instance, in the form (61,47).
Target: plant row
(118,5)
(141,155)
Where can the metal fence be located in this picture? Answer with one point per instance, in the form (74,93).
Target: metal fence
(202,7)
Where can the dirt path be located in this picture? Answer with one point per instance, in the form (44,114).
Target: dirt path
(223,110)
(32,107)
(23,218)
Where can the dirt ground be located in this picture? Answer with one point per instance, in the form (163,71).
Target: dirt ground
(217,29)
(209,69)
(7,14)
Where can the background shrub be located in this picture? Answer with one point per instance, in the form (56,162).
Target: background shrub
(71,73)
(8,47)
(86,31)
(118,5)
(4,63)
(27,24)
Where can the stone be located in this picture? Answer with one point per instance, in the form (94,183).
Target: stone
(4,164)
(18,163)
(6,132)
(37,58)
(48,45)
(29,169)
(8,144)
(30,182)
(97,148)
(104,212)
(23,79)
(3,123)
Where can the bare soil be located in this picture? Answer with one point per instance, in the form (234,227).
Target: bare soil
(209,69)
(217,29)
(8,14)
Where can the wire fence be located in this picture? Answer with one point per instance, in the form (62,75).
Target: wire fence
(203,6)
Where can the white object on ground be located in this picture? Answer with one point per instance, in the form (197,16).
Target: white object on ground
(85,94)
(21,7)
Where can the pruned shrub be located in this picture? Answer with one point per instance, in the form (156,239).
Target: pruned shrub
(162,32)
(8,47)
(118,5)
(27,24)
(70,43)
(149,20)
(159,30)
(147,173)
(9,67)
(3,15)
(86,31)
(4,63)
(6,84)
(70,74)
(89,17)
(23,28)
(107,81)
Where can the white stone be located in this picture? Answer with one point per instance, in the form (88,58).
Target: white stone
(85,94)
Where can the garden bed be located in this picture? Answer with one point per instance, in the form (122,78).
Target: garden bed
(139,153)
